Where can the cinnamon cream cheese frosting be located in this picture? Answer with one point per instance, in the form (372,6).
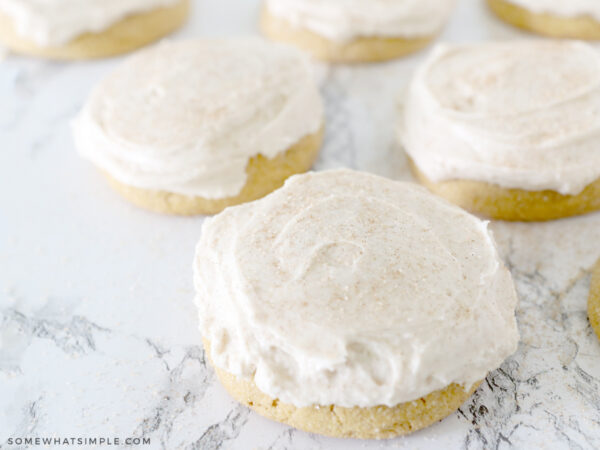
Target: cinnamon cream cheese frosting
(56,22)
(186,117)
(344,20)
(350,289)
(563,8)
(517,114)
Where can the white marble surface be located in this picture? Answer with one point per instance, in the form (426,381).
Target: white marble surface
(98,334)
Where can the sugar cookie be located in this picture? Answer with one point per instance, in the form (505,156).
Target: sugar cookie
(192,127)
(90,29)
(576,19)
(357,30)
(487,128)
(351,305)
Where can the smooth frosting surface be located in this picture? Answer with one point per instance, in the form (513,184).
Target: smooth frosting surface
(350,289)
(186,117)
(343,20)
(566,8)
(518,114)
(55,22)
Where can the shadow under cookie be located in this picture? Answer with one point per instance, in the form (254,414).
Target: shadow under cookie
(377,422)
(582,27)
(359,50)
(264,175)
(124,36)
(496,202)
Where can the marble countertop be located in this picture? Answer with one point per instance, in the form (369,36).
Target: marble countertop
(98,332)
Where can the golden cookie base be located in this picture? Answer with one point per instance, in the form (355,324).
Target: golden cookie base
(264,176)
(378,422)
(546,24)
(495,202)
(129,34)
(361,50)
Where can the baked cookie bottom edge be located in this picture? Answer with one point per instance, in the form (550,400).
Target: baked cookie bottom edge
(495,202)
(378,422)
(593,305)
(582,27)
(264,175)
(360,50)
(128,34)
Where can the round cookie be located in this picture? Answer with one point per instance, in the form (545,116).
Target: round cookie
(351,305)
(483,129)
(376,422)
(574,26)
(129,33)
(594,300)
(193,127)
(384,37)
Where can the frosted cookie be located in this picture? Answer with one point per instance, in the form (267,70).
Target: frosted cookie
(83,29)
(508,130)
(195,126)
(578,19)
(594,300)
(352,31)
(351,305)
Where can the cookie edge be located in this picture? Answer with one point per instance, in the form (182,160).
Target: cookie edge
(582,27)
(359,50)
(341,422)
(495,202)
(298,158)
(126,35)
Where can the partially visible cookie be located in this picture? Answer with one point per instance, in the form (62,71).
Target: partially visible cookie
(358,50)
(594,300)
(355,31)
(484,128)
(92,35)
(191,127)
(555,18)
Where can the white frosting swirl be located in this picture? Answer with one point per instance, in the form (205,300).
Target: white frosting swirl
(350,289)
(564,8)
(56,22)
(518,114)
(186,117)
(344,20)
